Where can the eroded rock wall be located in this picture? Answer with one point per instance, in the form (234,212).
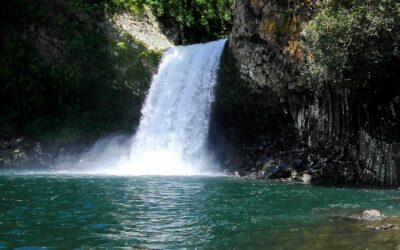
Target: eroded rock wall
(144,27)
(353,126)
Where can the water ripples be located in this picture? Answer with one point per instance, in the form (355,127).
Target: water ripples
(168,212)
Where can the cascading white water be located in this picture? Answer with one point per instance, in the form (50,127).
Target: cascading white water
(175,118)
(173,130)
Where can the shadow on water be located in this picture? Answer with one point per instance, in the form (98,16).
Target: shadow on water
(154,212)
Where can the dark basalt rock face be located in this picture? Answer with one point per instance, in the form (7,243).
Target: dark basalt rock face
(356,128)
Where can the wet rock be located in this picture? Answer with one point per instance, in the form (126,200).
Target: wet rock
(297,162)
(306,178)
(270,172)
(283,165)
(294,174)
(387,226)
(344,123)
(253,175)
(372,215)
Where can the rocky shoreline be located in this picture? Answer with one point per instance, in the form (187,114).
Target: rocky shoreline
(282,159)
(287,160)
(369,224)
(272,159)
(19,152)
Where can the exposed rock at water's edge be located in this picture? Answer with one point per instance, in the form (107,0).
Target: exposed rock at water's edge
(372,214)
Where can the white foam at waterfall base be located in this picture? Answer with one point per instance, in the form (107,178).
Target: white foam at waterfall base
(175,118)
(172,134)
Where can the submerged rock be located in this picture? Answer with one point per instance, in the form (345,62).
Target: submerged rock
(367,215)
(383,227)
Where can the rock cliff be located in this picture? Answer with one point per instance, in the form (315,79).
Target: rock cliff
(356,127)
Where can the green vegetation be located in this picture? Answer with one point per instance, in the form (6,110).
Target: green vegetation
(353,44)
(66,74)
(195,20)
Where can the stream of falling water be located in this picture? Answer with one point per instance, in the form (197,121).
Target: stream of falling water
(175,118)
(172,134)
(173,130)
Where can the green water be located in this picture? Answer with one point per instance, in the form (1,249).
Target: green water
(78,211)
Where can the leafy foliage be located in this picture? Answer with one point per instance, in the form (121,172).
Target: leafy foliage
(353,43)
(65,71)
(196,19)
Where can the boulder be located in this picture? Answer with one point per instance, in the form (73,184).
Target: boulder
(306,178)
(297,162)
(372,214)
(269,172)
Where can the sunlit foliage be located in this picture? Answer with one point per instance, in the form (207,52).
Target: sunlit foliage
(353,43)
(196,19)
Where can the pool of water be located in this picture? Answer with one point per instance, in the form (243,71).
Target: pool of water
(81,211)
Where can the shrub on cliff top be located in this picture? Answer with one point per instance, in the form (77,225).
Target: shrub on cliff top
(196,20)
(352,43)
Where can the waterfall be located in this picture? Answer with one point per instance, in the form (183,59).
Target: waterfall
(175,119)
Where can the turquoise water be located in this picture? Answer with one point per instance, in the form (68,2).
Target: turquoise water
(81,211)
